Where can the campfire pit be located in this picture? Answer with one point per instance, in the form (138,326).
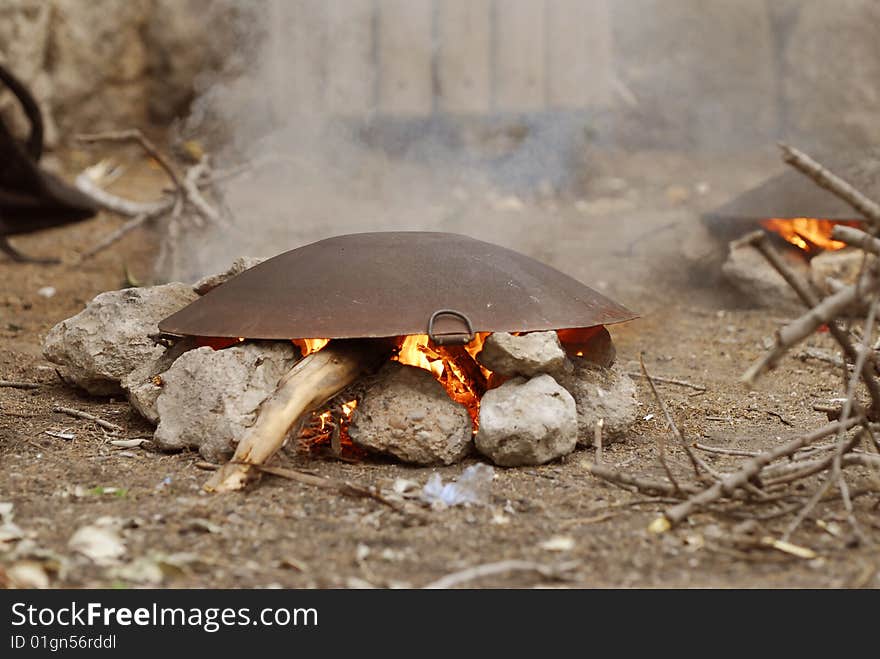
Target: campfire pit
(800,216)
(420,346)
(426,300)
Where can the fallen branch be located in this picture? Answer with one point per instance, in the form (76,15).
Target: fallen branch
(136,136)
(343,487)
(726,451)
(672,427)
(760,241)
(646,486)
(822,314)
(856,238)
(17,384)
(680,383)
(750,469)
(87,183)
(88,417)
(501,567)
(117,235)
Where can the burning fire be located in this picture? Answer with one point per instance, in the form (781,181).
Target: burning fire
(455,367)
(807,233)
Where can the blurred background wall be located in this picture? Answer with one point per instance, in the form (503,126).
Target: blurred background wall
(690,74)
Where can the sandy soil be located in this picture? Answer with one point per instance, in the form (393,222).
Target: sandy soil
(624,241)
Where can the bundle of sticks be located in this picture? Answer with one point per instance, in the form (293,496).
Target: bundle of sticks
(849,440)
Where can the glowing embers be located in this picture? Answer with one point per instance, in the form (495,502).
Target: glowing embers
(806,233)
(329,430)
(454,367)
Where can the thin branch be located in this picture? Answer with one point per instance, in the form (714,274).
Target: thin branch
(674,428)
(343,487)
(88,417)
(680,383)
(117,235)
(822,314)
(17,384)
(825,178)
(856,238)
(749,470)
(760,241)
(136,136)
(501,567)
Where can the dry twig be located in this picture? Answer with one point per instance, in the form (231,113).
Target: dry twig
(18,384)
(88,417)
(749,470)
(343,487)
(501,567)
(825,178)
(680,383)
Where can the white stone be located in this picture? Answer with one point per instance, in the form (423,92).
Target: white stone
(210,397)
(527,422)
(111,337)
(608,394)
(526,355)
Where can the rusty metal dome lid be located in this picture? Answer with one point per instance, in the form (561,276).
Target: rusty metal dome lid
(791,194)
(391,284)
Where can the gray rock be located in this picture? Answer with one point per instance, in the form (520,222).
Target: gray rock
(756,280)
(526,355)
(110,338)
(842,265)
(602,393)
(407,413)
(144,384)
(527,422)
(210,398)
(238,266)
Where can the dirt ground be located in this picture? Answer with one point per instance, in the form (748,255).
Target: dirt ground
(624,237)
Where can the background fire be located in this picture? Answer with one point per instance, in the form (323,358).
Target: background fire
(809,234)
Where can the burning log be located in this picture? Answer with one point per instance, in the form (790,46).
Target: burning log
(313,381)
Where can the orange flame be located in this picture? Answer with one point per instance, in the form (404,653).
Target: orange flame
(807,233)
(308,346)
(455,367)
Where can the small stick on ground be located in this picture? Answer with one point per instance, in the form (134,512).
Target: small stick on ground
(760,241)
(726,451)
(822,314)
(646,486)
(88,417)
(680,383)
(825,178)
(17,384)
(117,235)
(751,468)
(501,567)
(673,428)
(137,137)
(343,487)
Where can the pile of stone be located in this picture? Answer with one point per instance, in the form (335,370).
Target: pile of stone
(205,399)
(759,283)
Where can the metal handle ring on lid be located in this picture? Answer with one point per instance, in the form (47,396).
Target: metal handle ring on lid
(450,339)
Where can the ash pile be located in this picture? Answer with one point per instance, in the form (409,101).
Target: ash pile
(516,399)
